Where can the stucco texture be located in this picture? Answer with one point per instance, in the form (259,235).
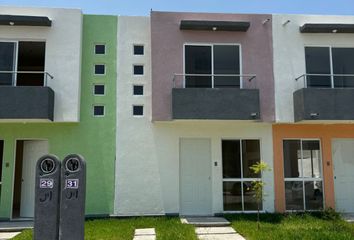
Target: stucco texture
(167,42)
(325,133)
(92,137)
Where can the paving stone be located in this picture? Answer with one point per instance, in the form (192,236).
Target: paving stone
(214,230)
(145,234)
(8,235)
(206,221)
(146,237)
(145,231)
(221,237)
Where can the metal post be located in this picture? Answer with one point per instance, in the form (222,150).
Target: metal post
(47,190)
(72,201)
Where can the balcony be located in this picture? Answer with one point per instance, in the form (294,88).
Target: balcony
(330,102)
(215,97)
(33,101)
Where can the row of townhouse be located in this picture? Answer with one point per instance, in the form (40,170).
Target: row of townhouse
(171,110)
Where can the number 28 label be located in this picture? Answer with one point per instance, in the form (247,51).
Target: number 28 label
(72,183)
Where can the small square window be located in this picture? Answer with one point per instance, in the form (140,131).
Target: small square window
(98,111)
(99,89)
(138,110)
(138,70)
(138,50)
(100,49)
(138,90)
(100,69)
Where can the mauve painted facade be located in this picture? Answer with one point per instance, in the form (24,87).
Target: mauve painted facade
(167,41)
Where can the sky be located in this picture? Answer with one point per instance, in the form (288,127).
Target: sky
(142,7)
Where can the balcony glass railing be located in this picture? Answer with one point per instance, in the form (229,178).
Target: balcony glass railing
(214,81)
(326,80)
(24,78)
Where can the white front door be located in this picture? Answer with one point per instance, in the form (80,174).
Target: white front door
(32,151)
(195,177)
(343,160)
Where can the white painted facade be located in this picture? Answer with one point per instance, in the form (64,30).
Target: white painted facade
(147,157)
(62,56)
(289,55)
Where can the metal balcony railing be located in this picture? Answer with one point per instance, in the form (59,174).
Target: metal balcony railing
(326,80)
(10,78)
(213,80)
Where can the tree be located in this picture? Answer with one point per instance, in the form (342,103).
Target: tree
(258,185)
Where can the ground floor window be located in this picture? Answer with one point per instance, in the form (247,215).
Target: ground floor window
(303,175)
(237,158)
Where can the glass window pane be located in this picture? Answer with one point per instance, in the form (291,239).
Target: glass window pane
(318,62)
(232,196)
(294,198)
(231,160)
(99,89)
(98,110)
(138,50)
(100,49)
(343,63)
(198,61)
(311,159)
(313,195)
(292,158)
(250,202)
(250,156)
(138,90)
(7,55)
(138,70)
(226,61)
(138,110)
(1,158)
(100,69)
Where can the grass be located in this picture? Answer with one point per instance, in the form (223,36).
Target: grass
(303,226)
(123,229)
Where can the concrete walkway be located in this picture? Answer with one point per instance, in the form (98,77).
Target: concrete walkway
(145,234)
(212,228)
(15,226)
(349,217)
(217,233)
(8,235)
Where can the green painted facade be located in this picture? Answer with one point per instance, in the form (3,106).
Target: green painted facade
(92,137)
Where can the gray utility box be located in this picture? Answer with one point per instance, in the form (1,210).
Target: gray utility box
(72,202)
(46,209)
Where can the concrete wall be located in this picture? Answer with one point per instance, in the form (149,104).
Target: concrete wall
(147,165)
(167,55)
(289,55)
(222,104)
(62,57)
(327,104)
(93,137)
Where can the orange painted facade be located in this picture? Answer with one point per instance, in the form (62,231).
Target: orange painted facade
(325,133)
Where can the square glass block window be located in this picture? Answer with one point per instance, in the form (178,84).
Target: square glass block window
(138,110)
(138,69)
(100,69)
(98,111)
(138,90)
(99,89)
(100,49)
(138,50)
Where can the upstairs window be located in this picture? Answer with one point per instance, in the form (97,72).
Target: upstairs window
(328,67)
(25,57)
(100,69)
(100,49)
(138,50)
(209,66)
(138,69)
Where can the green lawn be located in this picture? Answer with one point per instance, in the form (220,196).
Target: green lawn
(123,229)
(316,226)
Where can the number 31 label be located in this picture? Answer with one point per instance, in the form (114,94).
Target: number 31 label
(46,183)
(72,183)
